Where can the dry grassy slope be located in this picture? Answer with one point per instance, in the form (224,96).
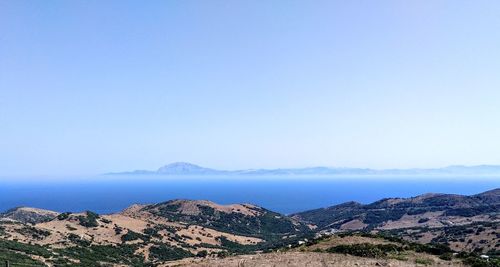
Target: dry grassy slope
(238,219)
(306,256)
(428,210)
(307,259)
(28,215)
(183,224)
(479,237)
(192,207)
(62,231)
(444,218)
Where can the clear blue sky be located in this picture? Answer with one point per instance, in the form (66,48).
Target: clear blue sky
(95,86)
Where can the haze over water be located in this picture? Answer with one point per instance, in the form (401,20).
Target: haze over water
(106,194)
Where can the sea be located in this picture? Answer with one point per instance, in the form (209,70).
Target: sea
(285,194)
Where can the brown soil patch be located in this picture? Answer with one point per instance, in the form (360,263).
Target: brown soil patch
(306,259)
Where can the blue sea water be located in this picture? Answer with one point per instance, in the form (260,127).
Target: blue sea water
(107,194)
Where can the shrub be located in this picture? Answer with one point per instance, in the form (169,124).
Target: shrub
(222,254)
(131,236)
(165,253)
(63,216)
(446,256)
(202,254)
(423,220)
(71,228)
(151,232)
(365,250)
(89,219)
(424,261)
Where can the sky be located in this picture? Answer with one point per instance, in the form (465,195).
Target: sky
(88,87)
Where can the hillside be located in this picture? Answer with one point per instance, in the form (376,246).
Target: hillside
(465,223)
(242,219)
(429,210)
(29,215)
(389,232)
(145,233)
(349,249)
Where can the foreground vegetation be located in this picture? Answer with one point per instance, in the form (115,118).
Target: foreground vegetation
(398,248)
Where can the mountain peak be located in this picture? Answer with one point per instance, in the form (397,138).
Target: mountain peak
(195,207)
(184,168)
(181,164)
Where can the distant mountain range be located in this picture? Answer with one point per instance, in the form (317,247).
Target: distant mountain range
(184,168)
